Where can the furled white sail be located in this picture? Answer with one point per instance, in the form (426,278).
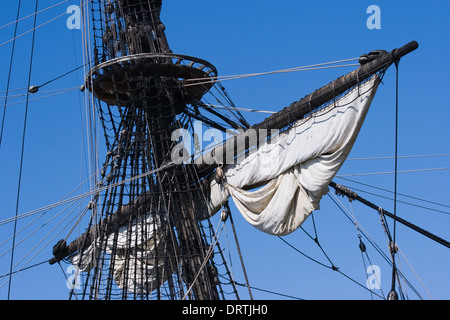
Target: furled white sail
(295,167)
(135,251)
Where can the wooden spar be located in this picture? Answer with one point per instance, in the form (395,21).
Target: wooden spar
(297,110)
(108,225)
(341,190)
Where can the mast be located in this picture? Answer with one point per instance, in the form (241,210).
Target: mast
(145,240)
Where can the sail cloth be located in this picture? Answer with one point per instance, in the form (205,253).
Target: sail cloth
(138,252)
(295,167)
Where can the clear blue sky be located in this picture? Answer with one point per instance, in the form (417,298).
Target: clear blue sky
(245,37)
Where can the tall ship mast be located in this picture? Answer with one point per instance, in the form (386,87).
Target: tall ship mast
(148,240)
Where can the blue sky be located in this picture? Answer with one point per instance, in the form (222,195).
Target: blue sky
(244,37)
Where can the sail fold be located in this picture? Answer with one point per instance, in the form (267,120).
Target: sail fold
(279,184)
(135,250)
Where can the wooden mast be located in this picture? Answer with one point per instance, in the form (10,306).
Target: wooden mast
(137,76)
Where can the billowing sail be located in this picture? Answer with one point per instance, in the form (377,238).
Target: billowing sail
(295,167)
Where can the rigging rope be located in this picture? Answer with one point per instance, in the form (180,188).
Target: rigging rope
(240,109)
(207,257)
(42,240)
(9,74)
(32,30)
(227,208)
(415,273)
(364,232)
(401,194)
(328,267)
(341,190)
(269,291)
(41,25)
(57,92)
(401,157)
(400,201)
(60,76)
(393,294)
(370,240)
(22,149)
(33,14)
(316,240)
(391,172)
(23,269)
(64,200)
(197,81)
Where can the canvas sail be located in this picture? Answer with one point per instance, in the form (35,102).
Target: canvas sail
(295,167)
(134,250)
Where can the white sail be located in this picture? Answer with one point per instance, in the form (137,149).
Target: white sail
(134,250)
(296,166)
